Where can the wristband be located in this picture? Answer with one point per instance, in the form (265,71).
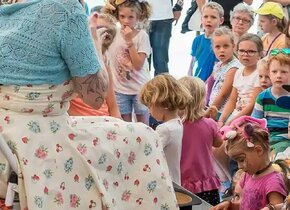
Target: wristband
(270,206)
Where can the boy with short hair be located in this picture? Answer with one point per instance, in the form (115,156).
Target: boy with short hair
(203,57)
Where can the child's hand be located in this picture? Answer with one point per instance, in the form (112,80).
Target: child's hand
(222,206)
(127,33)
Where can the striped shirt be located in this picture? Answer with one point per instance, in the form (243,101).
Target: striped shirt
(277,119)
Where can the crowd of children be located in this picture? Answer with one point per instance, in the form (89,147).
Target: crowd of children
(228,100)
(228,81)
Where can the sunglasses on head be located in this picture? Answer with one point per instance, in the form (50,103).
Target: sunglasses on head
(285,51)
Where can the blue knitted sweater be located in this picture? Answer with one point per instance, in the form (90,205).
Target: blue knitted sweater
(45,42)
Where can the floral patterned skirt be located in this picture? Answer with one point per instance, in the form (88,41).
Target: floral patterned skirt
(81,162)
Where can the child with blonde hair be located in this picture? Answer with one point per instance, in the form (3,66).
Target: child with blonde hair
(165,96)
(199,136)
(272,22)
(246,85)
(248,144)
(128,56)
(224,71)
(203,58)
(263,71)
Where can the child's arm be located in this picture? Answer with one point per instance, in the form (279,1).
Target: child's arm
(111,98)
(137,58)
(192,61)
(229,107)
(226,89)
(217,141)
(258,111)
(247,110)
(275,198)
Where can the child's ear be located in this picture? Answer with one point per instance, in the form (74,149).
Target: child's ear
(259,150)
(222,20)
(274,21)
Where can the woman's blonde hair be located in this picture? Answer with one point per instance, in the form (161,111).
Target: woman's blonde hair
(165,91)
(195,108)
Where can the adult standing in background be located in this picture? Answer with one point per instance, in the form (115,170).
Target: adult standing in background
(242,18)
(160,31)
(227,5)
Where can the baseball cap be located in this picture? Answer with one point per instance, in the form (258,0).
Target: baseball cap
(271,8)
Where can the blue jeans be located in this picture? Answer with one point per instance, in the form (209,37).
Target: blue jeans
(159,34)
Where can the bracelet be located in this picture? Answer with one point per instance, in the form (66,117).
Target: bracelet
(270,206)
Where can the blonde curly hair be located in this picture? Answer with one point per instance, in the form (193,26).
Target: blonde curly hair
(165,91)
(142,8)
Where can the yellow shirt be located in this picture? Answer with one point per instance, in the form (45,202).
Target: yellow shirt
(279,42)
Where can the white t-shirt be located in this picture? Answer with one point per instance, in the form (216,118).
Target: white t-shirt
(161,9)
(126,79)
(245,86)
(170,134)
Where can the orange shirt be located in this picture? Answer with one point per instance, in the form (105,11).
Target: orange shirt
(80,108)
(279,42)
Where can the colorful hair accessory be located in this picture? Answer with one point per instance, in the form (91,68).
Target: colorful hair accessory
(230,132)
(276,51)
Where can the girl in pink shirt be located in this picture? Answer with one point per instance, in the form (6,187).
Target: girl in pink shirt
(248,144)
(199,135)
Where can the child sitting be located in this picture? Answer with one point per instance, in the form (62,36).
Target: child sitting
(246,81)
(272,22)
(203,58)
(224,71)
(199,136)
(265,107)
(248,144)
(263,71)
(165,96)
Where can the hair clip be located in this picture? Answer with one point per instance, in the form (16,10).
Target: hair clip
(227,133)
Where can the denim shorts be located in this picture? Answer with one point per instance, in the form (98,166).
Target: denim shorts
(128,103)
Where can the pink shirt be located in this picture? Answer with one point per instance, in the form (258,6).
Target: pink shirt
(197,171)
(255,190)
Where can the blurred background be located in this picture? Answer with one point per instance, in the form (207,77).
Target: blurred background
(180,44)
